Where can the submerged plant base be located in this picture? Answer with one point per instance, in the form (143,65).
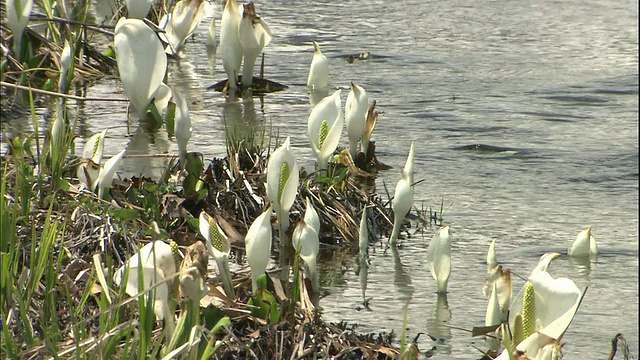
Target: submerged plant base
(259,86)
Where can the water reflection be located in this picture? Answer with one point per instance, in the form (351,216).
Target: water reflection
(149,145)
(183,77)
(401,278)
(437,324)
(362,271)
(241,120)
(105,10)
(582,265)
(316,95)
(212,47)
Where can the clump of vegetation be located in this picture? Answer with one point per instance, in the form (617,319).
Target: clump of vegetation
(61,246)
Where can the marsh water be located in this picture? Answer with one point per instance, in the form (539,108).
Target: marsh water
(525,121)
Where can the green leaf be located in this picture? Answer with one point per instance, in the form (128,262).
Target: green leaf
(212,317)
(124,214)
(170,118)
(194,164)
(155,114)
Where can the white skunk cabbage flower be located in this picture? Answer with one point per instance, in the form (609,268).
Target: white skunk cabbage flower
(311,217)
(325,127)
(162,98)
(18,12)
(494,314)
(305,240)
(501,278)
(319,71)
(94,147)
(355,112)
(105,176)
(254,36)
(218,247)
(554,303)
(544,262)
(180,23)
(87,172)
(439,258)
(58,131)
(537,347)
(584,244)
(138,8)
(403,197)
(142,62)
(283,179)
(66,60)
(156,261)
(182,127)
(230,41)
(492,261)
(258,245)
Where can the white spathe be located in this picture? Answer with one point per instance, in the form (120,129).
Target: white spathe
(258,246)
(439,258)
(556,303)
(584,244)
(283,179)
(305,240)
(94,146)
(402,197)
(544,262)
(311,216)
(18,12)
(254,36)
(494,314)
(230,45)
(89,169)
(105,176)
(66,60)
(156,263)
(138,8)
(501,279)
(537,347)
(319,70)
(181,23)
(141,60)
(162,98)
(219,247)
(355,110)
(282,188)
(492,261)
(182,127)
(325,127)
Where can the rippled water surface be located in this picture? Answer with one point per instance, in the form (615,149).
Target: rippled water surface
(553,83)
